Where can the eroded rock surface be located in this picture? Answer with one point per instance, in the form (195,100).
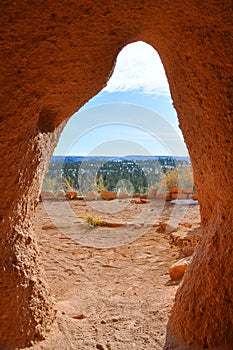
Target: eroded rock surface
(56,55)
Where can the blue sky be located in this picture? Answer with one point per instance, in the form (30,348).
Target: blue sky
(133,114)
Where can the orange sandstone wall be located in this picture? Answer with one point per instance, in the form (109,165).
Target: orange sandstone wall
(58,54)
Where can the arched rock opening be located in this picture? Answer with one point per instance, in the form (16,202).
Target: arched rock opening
(57,55)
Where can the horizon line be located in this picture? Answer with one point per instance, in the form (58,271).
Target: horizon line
(122,156)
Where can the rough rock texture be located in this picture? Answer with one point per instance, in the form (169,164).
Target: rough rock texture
(91,196)
(177,270)
(58,54)
(46,195)
(123,195)
(72,195)
(108,195)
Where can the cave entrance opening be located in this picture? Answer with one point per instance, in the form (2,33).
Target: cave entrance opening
(106,192)
(127,136)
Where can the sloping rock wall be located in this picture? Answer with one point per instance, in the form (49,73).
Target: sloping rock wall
(55,56)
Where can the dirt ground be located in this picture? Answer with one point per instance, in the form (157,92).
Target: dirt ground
(111,286)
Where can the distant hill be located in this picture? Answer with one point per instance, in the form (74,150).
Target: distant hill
(75,159)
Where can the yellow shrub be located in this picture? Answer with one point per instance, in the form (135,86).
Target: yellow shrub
(93,220)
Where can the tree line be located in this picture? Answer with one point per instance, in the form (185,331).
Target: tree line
(131,176)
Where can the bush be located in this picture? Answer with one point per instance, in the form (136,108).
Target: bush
(93,220)
(178,178)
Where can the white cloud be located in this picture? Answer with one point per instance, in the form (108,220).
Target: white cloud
(138,67)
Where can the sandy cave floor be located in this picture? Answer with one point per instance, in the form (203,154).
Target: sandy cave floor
(112,291)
